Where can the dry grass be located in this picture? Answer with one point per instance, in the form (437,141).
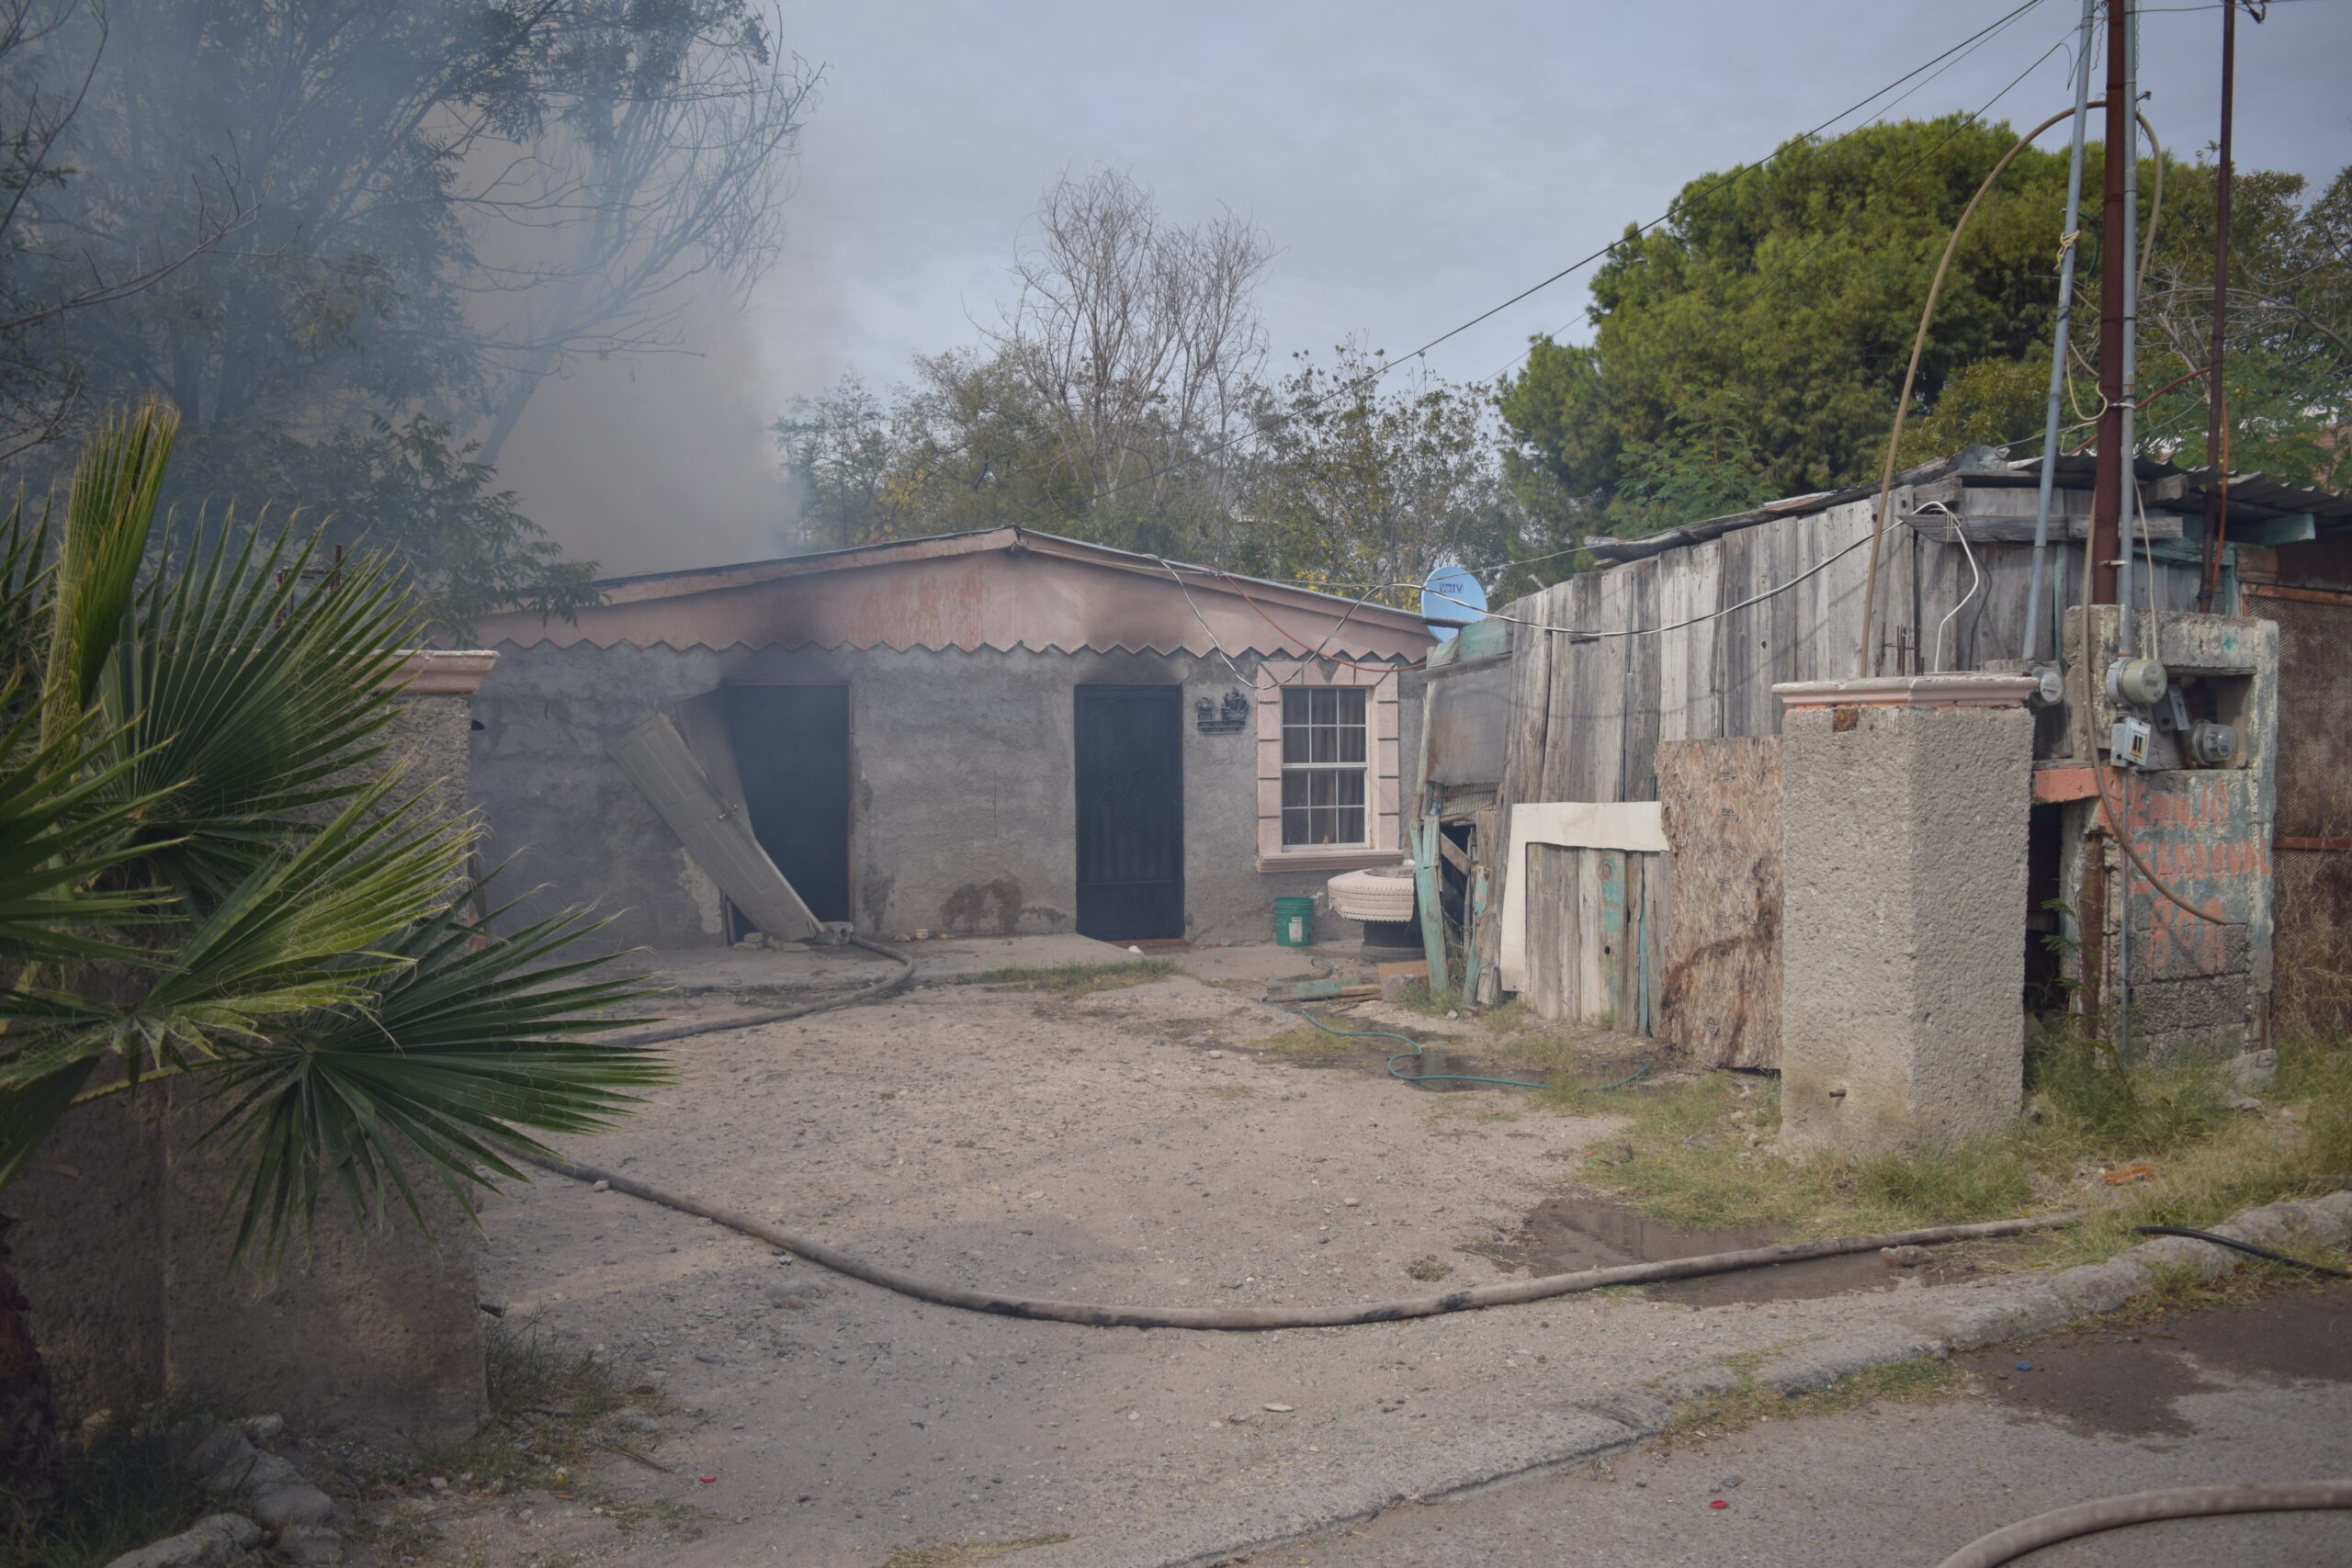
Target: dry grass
(1712,1416)
(551,1412)
(121,1490)
(1699,1149)
(1078,979)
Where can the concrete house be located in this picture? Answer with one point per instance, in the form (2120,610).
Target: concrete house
(1001,732)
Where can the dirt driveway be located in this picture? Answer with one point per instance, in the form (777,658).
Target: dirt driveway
(1174,1143)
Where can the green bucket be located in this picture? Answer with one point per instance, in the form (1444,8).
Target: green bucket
(1294,921)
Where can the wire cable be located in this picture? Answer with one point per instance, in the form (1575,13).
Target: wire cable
(1681,204)
(2246,1247)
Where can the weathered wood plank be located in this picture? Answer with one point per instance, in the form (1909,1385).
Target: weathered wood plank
(1718,981)
(1638,704)
(1606,1003)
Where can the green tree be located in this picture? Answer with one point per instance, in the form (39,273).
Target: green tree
(1362,479)
(200,879)
(1759,338)
(2289,363)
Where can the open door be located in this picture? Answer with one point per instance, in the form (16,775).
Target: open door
(791,747)
(1130,766)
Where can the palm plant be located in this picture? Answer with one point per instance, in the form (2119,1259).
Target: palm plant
(207,873)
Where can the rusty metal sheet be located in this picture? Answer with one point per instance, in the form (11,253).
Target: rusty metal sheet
(1469,725)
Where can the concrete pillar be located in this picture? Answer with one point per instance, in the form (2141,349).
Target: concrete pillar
(369,1329)
(1903,924)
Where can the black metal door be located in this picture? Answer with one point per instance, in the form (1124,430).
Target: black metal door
(792,755)
(1130,812)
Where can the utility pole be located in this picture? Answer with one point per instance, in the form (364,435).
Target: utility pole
(2114,263)
(2217,416)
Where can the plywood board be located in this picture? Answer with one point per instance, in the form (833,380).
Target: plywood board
(1719,975)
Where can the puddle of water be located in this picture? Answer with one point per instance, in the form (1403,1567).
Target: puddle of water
(1565,1234)
(2127,1383)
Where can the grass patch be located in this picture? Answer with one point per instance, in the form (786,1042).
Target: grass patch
(122,1489)
(1313,1046)
(1466,1108)
(1923,1381)
(1430,1269)
(2181,1289)
(1699,1150)
(1508,1018)
(1415,996)
(1077,979)
(953,1554)
(552,1411)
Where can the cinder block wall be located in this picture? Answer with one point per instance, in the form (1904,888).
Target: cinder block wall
(962,777)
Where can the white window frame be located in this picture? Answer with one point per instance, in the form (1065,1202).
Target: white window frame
(1276,675)
(1364,805)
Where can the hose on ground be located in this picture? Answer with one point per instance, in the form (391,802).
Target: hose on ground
(1415,1055)
(873,993)
(1094,1316)
(2246,1247)
(2013,1542)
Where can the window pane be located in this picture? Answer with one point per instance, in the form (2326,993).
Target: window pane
(1293,706)
(1347,786)
(1294,790)
(1296,828)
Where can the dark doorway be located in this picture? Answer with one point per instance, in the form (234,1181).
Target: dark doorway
(792,756)
(1130,765)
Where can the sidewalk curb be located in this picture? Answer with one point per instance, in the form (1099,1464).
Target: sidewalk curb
(1614,1422)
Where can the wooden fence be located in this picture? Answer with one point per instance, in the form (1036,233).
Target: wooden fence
(1686,645)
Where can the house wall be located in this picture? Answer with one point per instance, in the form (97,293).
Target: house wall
(963,810)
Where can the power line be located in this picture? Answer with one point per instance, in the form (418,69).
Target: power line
(1680,205)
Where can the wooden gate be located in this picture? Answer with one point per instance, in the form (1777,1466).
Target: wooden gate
(1594,922)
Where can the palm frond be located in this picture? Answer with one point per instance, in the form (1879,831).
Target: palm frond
(316,930)
(475,1040)
(107,514)
(63,823)
(259,702)
(24,608)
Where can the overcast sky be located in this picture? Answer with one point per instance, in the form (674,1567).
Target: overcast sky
(1413,163)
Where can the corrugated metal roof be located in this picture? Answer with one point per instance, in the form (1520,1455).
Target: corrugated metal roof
(2252,495)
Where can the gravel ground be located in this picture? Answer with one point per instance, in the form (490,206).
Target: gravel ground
(1139,1145)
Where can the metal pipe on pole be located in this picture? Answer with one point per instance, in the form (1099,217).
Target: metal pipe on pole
(2114,258)
(2127,641)
(2068,234)
(2216,417)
